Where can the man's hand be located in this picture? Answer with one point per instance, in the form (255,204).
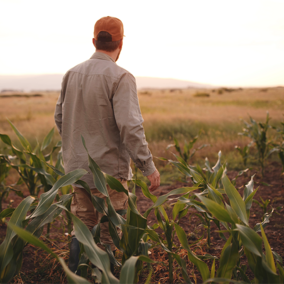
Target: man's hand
(154,178)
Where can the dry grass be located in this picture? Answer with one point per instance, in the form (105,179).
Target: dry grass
(32,116)
(166,105)
(166,113)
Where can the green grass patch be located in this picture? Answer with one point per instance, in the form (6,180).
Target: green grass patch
(202,95)
(187,129)
(266,104)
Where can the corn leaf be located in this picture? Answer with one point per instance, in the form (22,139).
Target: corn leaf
(249,188)
(96,255)
(47,140)
(127,273)
(115,184)
(218,163)
(201,266)
(52,212)
(182,168)
(269,255)
(162,199)
(182,264)
(134,235)
(145,190)
(28,237)
(228,261)
(232,213)
(7,212)
(216,210)
(281,272)
(6,139)
(177,208)
(215,195)
(212,273)
(6,248)
(248,200)
(25,143)
(148,280)
(99,179)
(98,202)
(250,239)
(72,277)
(236,201)
(47,198)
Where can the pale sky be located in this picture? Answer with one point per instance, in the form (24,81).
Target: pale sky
(222,42)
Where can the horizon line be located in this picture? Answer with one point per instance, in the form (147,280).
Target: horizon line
(166,78)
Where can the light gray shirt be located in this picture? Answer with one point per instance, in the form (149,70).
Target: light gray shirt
(99,101)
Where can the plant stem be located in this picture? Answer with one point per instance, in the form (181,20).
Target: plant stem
(48,230)
(208,232)
(171,277)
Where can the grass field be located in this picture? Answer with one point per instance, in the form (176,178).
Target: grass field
(183,113)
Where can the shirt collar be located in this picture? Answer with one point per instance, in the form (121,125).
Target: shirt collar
(101,55)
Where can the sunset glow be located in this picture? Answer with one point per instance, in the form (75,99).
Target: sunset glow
(233,43)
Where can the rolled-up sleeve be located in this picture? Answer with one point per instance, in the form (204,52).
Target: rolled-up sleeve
(129,121)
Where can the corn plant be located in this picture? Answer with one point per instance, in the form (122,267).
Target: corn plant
(258,133)
(278,144)
(170,230)
(244,152)
(11,249)
(205,179)
(4,189)
(234,218)
(263,204)
(31,164)
(186,153)
(4,170)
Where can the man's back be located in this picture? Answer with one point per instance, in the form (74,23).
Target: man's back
(99,101)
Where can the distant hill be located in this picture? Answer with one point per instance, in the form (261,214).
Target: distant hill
(53,82)
(166,83)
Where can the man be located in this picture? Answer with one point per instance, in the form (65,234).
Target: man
(99,101)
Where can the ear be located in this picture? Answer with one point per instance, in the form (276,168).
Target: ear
(94,43)
(121,44)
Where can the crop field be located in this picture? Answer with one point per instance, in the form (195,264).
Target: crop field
(178,112)
(217,216)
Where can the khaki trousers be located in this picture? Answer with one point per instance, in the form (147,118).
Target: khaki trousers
(83,208)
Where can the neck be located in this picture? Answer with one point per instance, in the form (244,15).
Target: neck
(112,54)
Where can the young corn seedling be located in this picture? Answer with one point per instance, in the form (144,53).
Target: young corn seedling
(187,152)
(32,163)
(258,132)
(244,152)
(32,167)
(4,170)
(279,144)
(202,178)
(263,204)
